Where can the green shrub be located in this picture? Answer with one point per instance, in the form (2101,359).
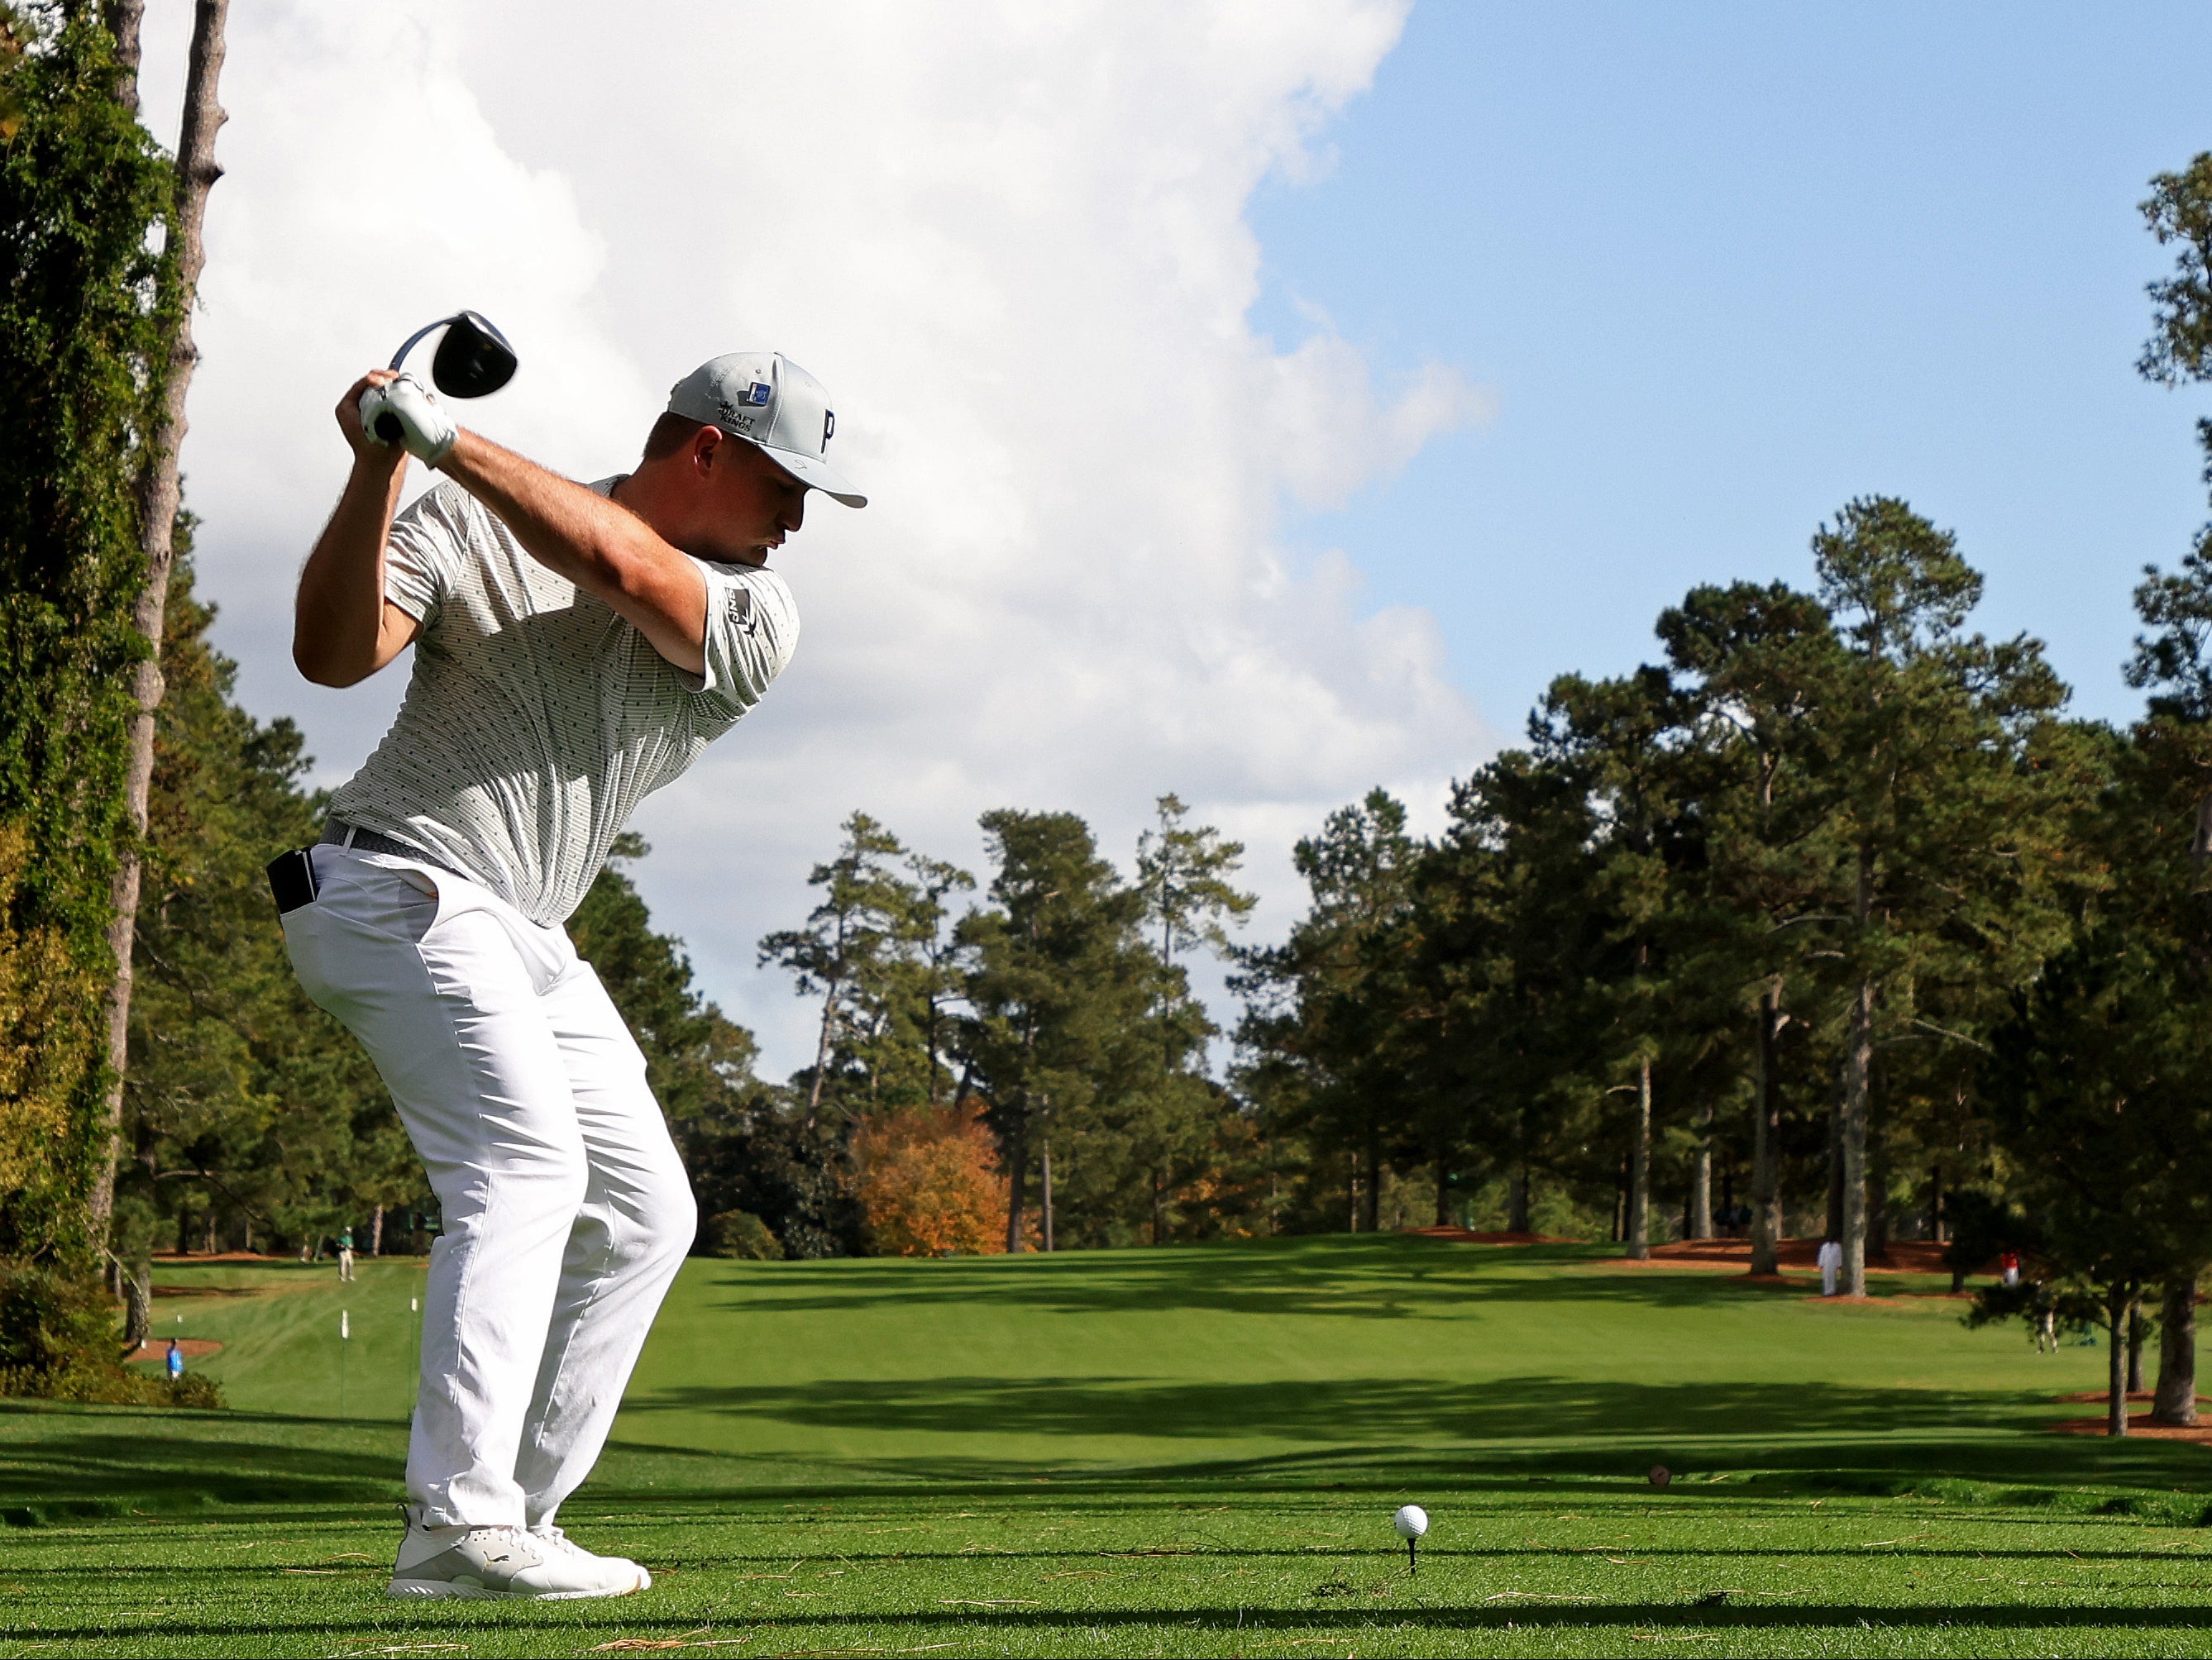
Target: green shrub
(59,1341)
(54,1319)
(110,1385)
(741,1234)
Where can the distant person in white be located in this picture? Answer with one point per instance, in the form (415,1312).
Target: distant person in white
(1830,1259)
(575,647)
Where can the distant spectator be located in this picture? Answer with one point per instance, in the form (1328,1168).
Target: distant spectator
(2008,1267)
(1830,1260)
(345,1255)
(176,1360)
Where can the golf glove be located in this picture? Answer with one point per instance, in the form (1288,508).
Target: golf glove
(405,412)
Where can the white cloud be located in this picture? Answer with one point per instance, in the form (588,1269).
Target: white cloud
(1011,238)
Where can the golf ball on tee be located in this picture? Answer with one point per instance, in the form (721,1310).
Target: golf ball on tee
(1411,1521)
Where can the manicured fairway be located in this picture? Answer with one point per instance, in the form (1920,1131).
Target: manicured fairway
(1159,1452)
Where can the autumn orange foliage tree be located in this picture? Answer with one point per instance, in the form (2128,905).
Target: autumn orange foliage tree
(928,1183)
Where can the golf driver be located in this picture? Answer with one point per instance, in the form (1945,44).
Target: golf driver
(473,360)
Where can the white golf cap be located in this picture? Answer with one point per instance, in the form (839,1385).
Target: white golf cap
(767,399)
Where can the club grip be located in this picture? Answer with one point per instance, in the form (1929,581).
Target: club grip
(388,427)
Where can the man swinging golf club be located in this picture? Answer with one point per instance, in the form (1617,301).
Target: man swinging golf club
(576,646)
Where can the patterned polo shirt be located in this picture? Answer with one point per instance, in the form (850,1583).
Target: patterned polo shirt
(537,719)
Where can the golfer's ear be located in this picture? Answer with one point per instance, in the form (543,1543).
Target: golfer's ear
(704,444)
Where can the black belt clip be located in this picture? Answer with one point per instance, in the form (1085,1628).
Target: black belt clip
(292,880)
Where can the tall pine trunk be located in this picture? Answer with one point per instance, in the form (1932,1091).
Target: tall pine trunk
(138,1305)
(1700,1220)
(1877,1188)
(2176,1401)
(1018,1170)
(1858,1077)
(1638,1227)
(1765,1139)
(1516,1202)
(1444,1190)
(1851,1138)
(1371,1200)
(160,493)
(1044,1178)
(2116,1305)
(1833,1228)
(822,1053)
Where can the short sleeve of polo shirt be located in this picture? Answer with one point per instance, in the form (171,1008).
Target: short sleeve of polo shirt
(422,555)
(752,624)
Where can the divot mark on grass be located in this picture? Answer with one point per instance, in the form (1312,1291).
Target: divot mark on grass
(991,1602)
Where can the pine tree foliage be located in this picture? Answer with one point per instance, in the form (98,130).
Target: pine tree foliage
(86,307)
(247,1107)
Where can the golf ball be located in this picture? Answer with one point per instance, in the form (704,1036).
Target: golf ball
(1411,1521)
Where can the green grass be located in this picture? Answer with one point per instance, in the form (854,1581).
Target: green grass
(1188,1452)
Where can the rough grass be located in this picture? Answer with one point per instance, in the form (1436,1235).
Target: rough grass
(1189,1451)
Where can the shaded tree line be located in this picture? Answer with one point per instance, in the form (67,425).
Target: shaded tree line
(1833,899)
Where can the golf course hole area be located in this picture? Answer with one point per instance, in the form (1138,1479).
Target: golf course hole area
(1188,1451)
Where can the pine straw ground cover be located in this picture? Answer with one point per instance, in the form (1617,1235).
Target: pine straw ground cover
(1189,1451)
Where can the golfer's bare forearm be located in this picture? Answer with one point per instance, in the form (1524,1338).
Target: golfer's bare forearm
(341,630)
(604,549)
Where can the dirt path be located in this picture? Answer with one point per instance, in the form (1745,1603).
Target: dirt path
(1903,1257)
(1464,1236)
(157,1348)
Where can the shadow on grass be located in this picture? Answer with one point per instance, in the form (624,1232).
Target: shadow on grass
(60,1464)
(1381,1276)
(1338,1410)
(2065,1473)
(1007,1624)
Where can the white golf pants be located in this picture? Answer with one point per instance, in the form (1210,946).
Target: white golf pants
(566,1209)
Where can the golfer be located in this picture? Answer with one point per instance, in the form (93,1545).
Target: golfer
(1830,1258)
(575,648)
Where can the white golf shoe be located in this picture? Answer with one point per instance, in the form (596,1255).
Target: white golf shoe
(632,1576)
(490,1562)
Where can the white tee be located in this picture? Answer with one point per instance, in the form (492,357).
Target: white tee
(537,719)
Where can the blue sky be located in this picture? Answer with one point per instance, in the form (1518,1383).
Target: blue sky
(1725,267)
(1719,269)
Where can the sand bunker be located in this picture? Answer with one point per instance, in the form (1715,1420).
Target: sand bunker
(157,1348)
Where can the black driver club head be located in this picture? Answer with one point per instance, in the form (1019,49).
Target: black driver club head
(473,360)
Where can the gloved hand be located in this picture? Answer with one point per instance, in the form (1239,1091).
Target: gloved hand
(406,412)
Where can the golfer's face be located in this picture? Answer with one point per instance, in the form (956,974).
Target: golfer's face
(753,504)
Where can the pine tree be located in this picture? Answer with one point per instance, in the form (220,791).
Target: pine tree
(85,318)
(1331,1021)
(1064,1036)
(246,1105)
(844,954)
(1948,779)
(1755,663)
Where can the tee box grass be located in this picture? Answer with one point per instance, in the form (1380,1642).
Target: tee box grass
(1190,1450)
